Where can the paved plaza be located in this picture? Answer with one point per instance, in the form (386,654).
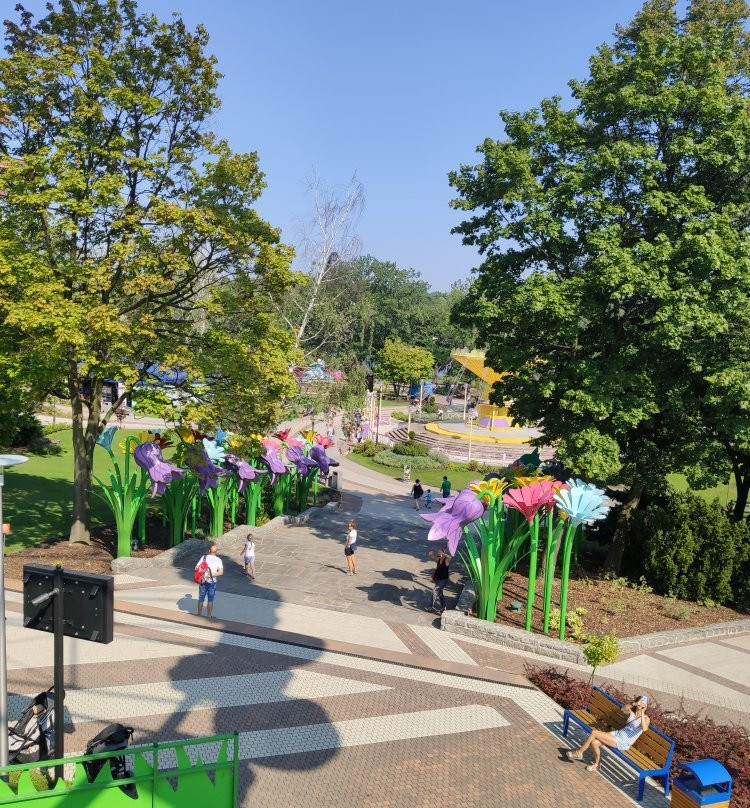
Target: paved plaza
(343,689)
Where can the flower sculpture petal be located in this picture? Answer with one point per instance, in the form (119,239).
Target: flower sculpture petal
(489,490)
(582,502)
(529,499)
(161,442)
(216,453)
(246,473)
(324,441)
(149,457)
(303,464)
(308,435)
(271,443)
(274,463)
(296,442)
(450,522)
(208,473)
(318,454)
(282,434)
(221,437)
(106,438)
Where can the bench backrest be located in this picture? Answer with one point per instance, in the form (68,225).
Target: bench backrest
(656,746)
(652,743)
(606,710)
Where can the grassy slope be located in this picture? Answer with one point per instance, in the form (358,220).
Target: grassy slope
(38,496)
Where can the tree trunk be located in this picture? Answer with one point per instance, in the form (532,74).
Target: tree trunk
(742,482)
(84,441)
(616,552)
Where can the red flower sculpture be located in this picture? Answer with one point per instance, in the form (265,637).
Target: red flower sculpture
(282,434)
(324,441)
(162,443)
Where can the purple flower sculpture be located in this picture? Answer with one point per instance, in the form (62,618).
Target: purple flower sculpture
(318,454)
(275,464)
(208,473)
(245,472)
(149,457)
(450,522)
(303,463)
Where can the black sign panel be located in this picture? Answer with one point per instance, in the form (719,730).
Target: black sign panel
(88,602)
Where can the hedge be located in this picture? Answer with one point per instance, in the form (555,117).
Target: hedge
(396,461)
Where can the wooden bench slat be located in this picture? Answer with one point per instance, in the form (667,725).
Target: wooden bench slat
(641,760)
(649,747)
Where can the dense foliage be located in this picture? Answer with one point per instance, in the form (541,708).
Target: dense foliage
(696,737)
(615,277)
(691,549)
(399,363)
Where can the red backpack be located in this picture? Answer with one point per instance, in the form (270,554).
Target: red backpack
(201,571)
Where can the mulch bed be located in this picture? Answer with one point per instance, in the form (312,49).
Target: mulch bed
(611,605)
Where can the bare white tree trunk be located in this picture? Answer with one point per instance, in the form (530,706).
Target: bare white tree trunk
(329,240)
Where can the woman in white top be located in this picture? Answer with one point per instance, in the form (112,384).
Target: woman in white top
(622,739)
(351,546)
(248,550)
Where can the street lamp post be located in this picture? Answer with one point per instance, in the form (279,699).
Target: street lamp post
(466,398)
(472,415)
(5,460)
(377,423)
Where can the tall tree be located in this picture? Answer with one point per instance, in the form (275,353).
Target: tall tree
(399,363)
(615,248)
(122,215)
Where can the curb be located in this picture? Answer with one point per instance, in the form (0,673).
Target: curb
(195,547)
(457,621)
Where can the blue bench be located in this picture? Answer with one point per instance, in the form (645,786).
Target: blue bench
(650,755)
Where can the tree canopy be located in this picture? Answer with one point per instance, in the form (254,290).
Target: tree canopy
(615,281)
(399,363)
(128,238)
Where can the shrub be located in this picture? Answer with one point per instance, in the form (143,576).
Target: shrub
(399,416)
(412,434)
(676,610)
(439,457)
(574,622)
(396,461)
(368,448)
(411,449)
(691,549)
(601,650)
(695,737)
(18,429)
(50,429)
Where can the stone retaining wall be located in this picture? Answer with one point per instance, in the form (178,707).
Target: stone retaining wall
(193,548)
(457,621)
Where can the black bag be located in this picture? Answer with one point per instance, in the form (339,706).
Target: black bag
(111,739)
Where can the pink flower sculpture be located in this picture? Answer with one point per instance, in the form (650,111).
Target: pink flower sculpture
(450,522)
(149,457)
(324,441)
(246,473)
(318,454)
(271,443)
(529,499)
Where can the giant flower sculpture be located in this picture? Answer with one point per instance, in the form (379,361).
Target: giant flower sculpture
(449,523)
(161,473)
(318,454)
(215,451)
(302,463)
(245,472)
(582,502)
(530,498)
(105,439)
(208,473)
(324,441)
(274,463)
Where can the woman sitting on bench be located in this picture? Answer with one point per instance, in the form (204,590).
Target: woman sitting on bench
(621,739)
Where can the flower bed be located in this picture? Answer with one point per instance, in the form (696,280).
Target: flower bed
(695,737)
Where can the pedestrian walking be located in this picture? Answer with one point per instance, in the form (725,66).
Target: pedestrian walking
(331,431)
(207,570)
(440,579)
(248,552)
(445,487)
(428,498)
(359,434)
(351,548)
(416,492)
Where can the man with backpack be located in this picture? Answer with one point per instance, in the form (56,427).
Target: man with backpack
(207,570)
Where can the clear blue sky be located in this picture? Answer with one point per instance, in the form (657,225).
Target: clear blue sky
(399,91)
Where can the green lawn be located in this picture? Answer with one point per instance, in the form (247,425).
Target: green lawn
(430,479)
(38,496)
(459,479)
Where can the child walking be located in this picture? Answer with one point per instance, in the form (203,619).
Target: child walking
(248,551)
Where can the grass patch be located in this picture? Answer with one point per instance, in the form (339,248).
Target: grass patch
(430,478)
(38,496)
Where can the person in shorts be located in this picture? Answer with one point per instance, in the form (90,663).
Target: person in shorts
(351,547)
(248,553)
(416,492)
(207,587)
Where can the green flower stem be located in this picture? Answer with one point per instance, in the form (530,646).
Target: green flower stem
(178,499)
(217,502)
(252,501)
(279,496)
(553,535)
(533,550)
(567,549)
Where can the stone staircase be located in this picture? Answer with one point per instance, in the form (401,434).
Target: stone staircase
(457,449)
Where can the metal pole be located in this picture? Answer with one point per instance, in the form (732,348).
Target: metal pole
(3,659)
(420,394)
(471,433)
(466,397)
(408,423)
(377,425)
(59,622)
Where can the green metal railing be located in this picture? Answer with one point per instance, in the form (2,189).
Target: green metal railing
(170,780)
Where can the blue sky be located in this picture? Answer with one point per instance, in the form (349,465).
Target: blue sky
(400,92)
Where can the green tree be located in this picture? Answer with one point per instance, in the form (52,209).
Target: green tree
(123,220)
(614,284)
(399,363)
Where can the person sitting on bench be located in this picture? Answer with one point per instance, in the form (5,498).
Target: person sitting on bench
(621,739)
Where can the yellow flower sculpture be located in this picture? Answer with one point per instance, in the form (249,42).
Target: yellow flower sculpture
(186,434)
(524,481)
(141,437)
(309,435)
(490,490)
